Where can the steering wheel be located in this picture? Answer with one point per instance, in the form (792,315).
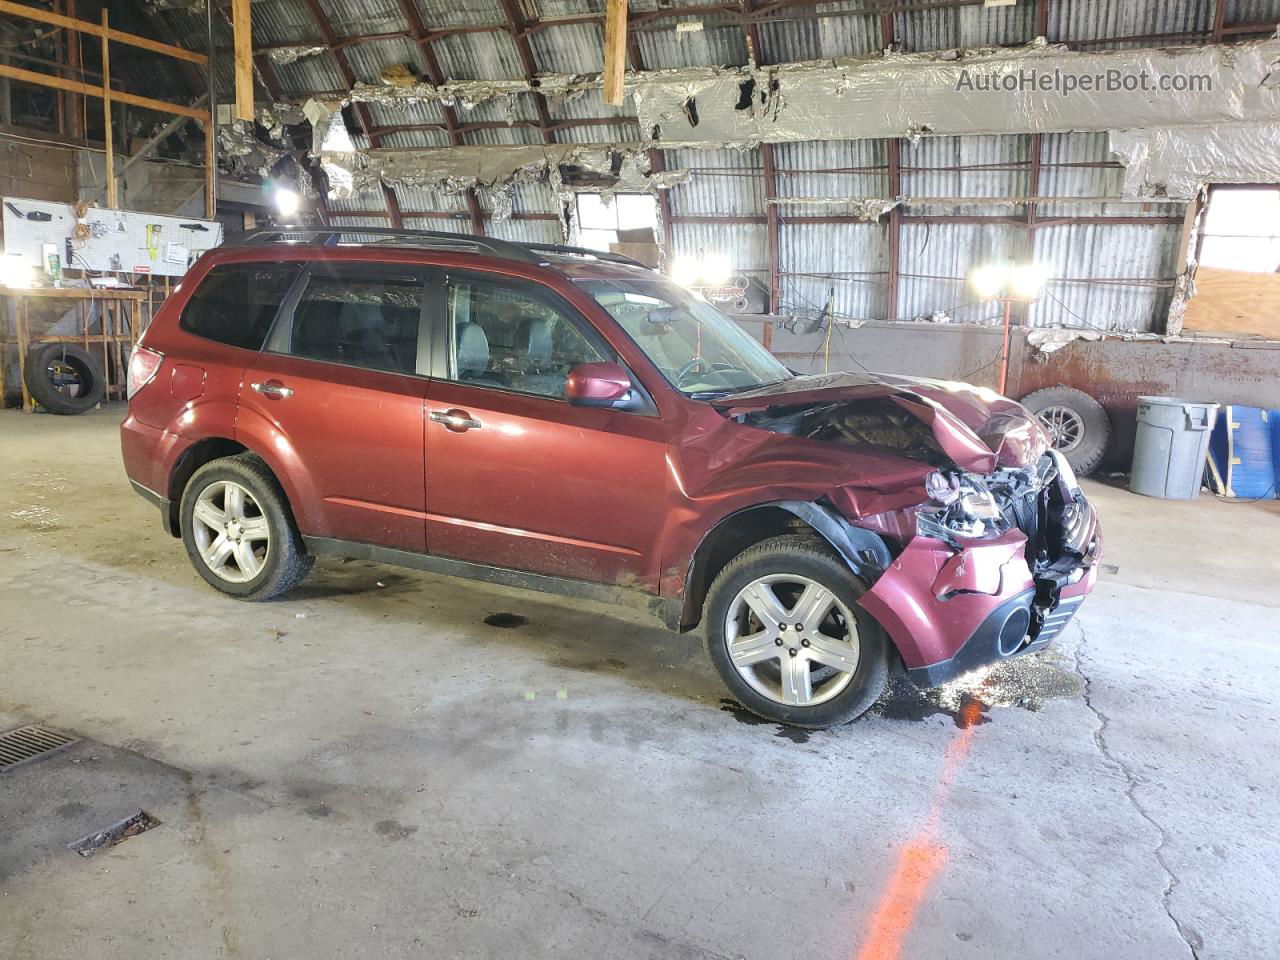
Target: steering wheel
(700,365)
(696,365)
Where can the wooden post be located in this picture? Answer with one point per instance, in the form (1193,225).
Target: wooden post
(615,50)
(4,326)
(243,41)
(74,104)
(210,168)
(23,342)
(106,111)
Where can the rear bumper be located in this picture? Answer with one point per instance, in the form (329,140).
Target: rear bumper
(949,611)
(149,455)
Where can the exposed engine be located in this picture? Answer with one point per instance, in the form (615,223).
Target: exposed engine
(1044,502)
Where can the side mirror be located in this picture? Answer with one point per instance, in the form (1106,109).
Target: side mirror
(597,384)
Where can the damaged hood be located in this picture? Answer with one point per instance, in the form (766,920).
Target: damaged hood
(974,428)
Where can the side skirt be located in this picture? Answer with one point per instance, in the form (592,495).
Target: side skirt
(663,608)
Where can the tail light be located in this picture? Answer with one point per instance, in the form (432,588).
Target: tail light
(143,366)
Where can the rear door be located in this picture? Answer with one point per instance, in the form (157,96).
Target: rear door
(516,477)
(337,395)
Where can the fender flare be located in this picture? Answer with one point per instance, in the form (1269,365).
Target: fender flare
(864,551)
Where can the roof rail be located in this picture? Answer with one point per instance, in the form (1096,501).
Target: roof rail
(437,239)
(330,236)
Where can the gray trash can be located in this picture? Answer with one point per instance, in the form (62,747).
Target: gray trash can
(1170,450)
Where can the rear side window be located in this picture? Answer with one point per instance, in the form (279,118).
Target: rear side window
(237,302)
(365,315)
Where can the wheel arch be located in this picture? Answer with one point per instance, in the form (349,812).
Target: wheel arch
(189,461)
(864,551)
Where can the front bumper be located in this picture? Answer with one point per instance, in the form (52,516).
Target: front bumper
(950,608)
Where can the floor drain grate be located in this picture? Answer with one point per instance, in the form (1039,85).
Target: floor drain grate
(28,743)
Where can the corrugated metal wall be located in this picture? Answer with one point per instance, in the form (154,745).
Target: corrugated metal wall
(1115,276)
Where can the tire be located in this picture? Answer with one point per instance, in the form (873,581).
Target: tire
(1079,426)
(837,695)
(275,562)
(64,378)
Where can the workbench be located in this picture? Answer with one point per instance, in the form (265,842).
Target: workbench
(124,314)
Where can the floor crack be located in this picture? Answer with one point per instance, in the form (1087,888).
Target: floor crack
(1186,933)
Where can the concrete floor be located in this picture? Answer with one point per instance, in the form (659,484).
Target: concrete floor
(367,769)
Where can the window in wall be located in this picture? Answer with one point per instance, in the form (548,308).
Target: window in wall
(599,222)
(1242,230)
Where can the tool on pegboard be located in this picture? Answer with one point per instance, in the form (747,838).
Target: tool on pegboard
(153,240)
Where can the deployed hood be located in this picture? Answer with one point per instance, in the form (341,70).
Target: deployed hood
(972,427)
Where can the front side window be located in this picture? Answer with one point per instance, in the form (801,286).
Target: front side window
(237,302)
(362,316)
(510,336)
(698,349)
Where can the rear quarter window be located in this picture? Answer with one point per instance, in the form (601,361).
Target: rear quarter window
(236,303)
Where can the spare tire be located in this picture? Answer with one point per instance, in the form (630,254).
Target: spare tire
(1077,424)
(64,377)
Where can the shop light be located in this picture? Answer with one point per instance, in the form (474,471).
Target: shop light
(15,272)
(286,201)
(706,270)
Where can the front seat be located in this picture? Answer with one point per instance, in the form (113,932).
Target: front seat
(472,352)
(538,371)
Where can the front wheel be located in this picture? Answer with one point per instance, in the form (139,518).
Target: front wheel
(788,639)
(238,531)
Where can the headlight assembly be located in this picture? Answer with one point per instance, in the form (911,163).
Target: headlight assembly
(960,505)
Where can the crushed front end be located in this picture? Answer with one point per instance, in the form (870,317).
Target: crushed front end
(997,566)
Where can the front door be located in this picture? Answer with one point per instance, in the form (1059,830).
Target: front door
(338,395)
(516,477)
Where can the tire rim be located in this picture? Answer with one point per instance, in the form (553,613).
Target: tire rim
(792,640)
(231,532)
(1065,427)
(67,378)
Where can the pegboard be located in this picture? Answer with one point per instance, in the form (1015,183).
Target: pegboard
(119,241)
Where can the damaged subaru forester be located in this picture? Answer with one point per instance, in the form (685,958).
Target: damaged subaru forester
(570,421)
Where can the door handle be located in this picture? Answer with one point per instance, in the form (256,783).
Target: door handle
(458,421)
(273,388)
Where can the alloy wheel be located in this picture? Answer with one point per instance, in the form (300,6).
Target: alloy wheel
(1064,426)
(792,640)
(231,532)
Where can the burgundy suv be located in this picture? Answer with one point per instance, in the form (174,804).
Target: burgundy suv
(572,422)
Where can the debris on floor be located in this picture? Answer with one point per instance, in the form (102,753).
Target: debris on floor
(119,832)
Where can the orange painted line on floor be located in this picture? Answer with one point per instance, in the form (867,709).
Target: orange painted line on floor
(920,861)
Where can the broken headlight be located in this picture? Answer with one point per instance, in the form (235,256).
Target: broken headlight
(960,505)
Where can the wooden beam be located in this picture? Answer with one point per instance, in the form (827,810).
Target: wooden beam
(112,198)
(84,26)
(615,51)
(243,30)
(89,90)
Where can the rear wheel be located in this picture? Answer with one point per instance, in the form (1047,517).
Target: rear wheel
(788,639)
(238,530)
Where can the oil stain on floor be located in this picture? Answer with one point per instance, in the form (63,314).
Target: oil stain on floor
(1026,683)
(743,715)
(505,621)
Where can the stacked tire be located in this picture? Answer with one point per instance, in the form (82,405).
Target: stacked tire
(1077,424)
(64,378)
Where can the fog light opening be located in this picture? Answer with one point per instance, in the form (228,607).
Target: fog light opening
(1013,632)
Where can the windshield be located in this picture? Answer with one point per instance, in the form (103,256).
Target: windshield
(697,348)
